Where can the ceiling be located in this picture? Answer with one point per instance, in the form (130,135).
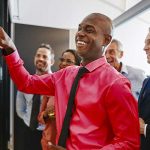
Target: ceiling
(67,14)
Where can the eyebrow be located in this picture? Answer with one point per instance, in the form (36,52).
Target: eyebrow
(111,49)
(87,25)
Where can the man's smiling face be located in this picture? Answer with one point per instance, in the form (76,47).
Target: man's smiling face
(147,47)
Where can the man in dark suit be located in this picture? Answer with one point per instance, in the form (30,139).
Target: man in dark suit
(144,104)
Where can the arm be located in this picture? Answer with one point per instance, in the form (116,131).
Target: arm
(6,43)
(20,104)
(47,107)
(123,116)
(54,147)
(42,110)
(25,82)
(142,125)
(144,128)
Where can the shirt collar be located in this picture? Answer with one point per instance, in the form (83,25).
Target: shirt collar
(124,69)
(95,64)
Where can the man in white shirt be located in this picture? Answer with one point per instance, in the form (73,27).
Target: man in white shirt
(114,53)
(31,138)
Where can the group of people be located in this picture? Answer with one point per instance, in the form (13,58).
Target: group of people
(37,136)
(95,110)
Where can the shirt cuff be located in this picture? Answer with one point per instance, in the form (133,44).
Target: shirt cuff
(13,58)
(145,130)
(7,51)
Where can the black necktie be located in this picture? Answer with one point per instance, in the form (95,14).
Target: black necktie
(65,127)
(35,111)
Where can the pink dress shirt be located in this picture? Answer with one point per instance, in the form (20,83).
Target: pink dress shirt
(106,115)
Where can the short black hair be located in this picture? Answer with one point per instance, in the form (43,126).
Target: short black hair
(47,46)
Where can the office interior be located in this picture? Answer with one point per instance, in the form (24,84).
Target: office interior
(31,22)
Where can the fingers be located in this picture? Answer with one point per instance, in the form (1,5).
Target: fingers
(54,147)
(51,146)
(1,38)
(5,40)
(1,31)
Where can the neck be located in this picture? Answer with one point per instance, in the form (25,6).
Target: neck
(119,66)
(42,73)
(87,61)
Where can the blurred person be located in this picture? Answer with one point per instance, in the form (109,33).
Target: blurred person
(144,104)
(69,57)
(114,52)
(25,107)
(47,113)
(103,113)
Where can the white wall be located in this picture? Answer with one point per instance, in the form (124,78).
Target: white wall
(72,38)
(64,14)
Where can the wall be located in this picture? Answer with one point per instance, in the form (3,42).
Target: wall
(28,38)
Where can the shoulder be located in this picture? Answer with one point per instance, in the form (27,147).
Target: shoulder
(115,78)
(68,71)
(136,72)
(114,73)
(146,80)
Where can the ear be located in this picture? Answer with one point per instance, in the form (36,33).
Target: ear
(52,59)
(107,39)
(52,62)
(120,54)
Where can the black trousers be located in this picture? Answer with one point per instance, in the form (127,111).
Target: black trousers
(145,143)
(27,139)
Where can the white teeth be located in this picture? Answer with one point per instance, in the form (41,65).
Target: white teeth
(81,42)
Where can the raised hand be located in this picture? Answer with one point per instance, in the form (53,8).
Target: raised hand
(5,40)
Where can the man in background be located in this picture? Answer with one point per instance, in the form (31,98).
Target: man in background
(144,104)
(28,105)
(114,53)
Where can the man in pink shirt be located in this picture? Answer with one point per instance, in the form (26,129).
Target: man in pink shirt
(105,114)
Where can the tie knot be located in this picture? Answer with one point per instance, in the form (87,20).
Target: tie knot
(83,70)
